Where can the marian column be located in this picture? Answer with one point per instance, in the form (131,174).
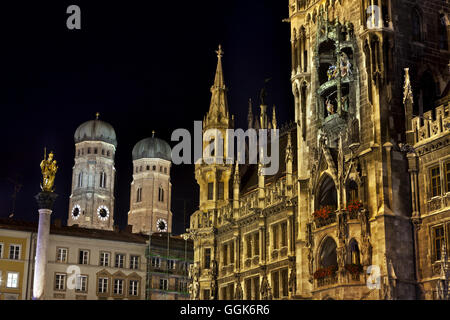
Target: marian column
(45,200)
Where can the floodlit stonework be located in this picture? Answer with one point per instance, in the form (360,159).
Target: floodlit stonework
(358,208)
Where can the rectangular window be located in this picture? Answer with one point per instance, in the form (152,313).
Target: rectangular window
(104,259)
(221,190)
(256,244)
(284,234)
(83,257)
(225,254)
(133,288)
(61,255)
(1,250)
(60,281)
(206,294)
(256,287)
(232,252)
(120,258)
(249,246)
(447,177)
(284,282)
(81,283)
(156,262)
(102,285)
(12,280)
(248,289)
(276,284)
(435,174)
(163,284)
(211,191)
(134,262)
(439,238)
(207,258)
(230,291)
(275,237)
(170,264)
(14,251)
(118,286)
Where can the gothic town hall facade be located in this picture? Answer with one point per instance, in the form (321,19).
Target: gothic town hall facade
(360,206)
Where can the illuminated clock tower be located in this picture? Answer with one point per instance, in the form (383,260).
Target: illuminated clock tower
(92,199)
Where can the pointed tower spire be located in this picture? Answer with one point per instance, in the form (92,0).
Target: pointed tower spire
(274,118)
(218,109)
(250,114)
(219,82)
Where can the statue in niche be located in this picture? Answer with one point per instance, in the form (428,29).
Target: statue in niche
(332,72)
(346,66)
(330,107)
(345,103)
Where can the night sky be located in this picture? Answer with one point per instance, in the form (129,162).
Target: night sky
(144,66)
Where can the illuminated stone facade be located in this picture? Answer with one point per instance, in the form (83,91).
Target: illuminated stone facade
(337,221)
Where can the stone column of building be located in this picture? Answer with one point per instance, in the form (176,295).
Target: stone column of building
(45,202)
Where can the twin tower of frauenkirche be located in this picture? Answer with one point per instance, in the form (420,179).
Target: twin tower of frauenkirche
(91,203)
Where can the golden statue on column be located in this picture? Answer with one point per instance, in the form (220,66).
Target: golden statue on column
(48,169)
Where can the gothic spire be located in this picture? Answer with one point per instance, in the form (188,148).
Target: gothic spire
(274,118)
(218,109)
(250,114)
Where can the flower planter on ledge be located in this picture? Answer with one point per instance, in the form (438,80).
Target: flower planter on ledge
(324,217)
(353,209)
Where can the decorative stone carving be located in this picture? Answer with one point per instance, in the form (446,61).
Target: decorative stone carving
(342,230)
(292,276)
(266,291)
(366,251)
(238,294)
(365,225)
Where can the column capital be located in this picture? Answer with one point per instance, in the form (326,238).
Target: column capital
(46,200)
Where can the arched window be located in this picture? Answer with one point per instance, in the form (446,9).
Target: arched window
(161,194)
(416,25)
(80,180)
(148,168)
(328,256)
(139,195)
(102,180)
(89,150)
(107,153)
(154,168)
(443,36)
(165,170)
(354,252)
(352,191)
(327,195)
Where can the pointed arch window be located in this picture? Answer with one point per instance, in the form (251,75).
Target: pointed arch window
(354,253)
(443,36)
(80,180)
(139,194)
(416,25)
(102,179)
(161,194)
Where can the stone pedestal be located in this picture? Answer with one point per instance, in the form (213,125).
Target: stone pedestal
(45,202)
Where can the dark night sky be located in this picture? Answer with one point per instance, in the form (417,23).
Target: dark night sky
(144,67)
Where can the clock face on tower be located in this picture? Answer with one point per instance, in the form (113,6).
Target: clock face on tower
(161,225)
(103,213)
(76,210)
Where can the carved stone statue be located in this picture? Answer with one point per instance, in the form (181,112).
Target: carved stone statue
(341,255)
(214,268)
(365,226)
(48,169)
(366,251)
(293,281)
(238,294)
(265,290)
(310,261)
(213,290)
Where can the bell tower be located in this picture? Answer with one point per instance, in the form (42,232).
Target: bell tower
(151,189)
(213,173)
(91,203)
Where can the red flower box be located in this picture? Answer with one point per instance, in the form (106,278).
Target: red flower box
(354,268)
(325,272)
(354,206)
(323,213)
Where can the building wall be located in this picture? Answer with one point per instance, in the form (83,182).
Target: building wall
(20,265)
(93,269)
